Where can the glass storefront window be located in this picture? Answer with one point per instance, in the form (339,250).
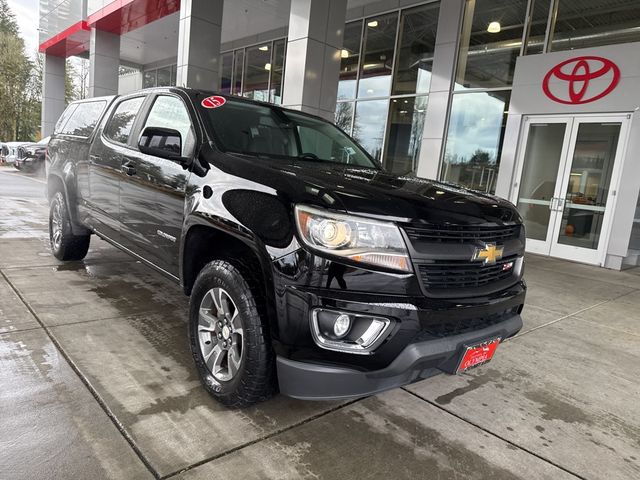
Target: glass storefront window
(226,72)
(350,57)
(369,123)
(377,62)
(344,116)
(538,26)
(418,28)
(149,79)
(591,24)
(164,77)
(490,43)
(256,74)
(238,68)
(404,136)
(277,71)
(474,139)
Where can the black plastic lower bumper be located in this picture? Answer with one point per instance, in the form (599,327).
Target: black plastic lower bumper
(312,381)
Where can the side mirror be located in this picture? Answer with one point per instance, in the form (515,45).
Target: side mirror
(162,142)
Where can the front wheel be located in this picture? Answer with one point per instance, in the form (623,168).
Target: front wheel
(64,244)
(229,338)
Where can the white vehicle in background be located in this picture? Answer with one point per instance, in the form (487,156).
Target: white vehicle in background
(10,152)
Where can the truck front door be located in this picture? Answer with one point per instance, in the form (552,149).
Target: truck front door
(153,194)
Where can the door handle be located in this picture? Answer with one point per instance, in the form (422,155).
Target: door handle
(129,169)
(561,204)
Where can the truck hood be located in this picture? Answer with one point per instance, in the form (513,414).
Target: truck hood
(377,193)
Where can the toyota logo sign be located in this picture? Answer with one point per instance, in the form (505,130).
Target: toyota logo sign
(576,75)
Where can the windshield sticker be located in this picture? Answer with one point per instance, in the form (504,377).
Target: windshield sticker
(213,102)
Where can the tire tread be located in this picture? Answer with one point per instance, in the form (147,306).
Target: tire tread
(258,381)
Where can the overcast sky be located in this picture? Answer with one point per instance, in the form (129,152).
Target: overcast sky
(26,12)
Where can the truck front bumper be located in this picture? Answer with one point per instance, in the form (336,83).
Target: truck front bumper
(315,381)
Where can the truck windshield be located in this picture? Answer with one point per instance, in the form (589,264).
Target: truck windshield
(261,130)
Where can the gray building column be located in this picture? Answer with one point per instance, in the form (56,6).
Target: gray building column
(312,68)
(104,63)
(199,44)
(52,93)
(442,80)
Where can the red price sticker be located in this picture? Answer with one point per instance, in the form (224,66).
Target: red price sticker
(213,102)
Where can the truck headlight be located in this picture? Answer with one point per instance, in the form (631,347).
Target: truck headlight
(359,239)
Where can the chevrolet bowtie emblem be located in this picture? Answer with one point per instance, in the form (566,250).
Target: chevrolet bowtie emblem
(489,254)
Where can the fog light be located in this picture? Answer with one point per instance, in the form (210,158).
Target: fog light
(342,325)
(358,333)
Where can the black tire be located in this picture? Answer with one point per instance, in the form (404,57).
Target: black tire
(254,381)
(66,246)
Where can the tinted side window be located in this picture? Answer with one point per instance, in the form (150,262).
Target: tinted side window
(84,119)
(170,112)
(121,122)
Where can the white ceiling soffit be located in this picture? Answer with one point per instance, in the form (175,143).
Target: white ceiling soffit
(153,42)
(241,18)
(245,18)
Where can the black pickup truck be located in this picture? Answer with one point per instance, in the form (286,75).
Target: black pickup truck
(309,267)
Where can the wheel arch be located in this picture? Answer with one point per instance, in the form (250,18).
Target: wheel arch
(55,183)
(204,242)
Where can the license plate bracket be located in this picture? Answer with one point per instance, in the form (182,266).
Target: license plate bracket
(477,354)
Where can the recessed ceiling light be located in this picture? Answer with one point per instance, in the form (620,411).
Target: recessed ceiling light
(494,27)
(344,53)
(264,48)
(372,24)
(267,66)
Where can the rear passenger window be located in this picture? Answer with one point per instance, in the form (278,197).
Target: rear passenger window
(64,117)
(121,122)
(83,119)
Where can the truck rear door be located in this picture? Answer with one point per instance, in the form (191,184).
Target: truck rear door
(108,157)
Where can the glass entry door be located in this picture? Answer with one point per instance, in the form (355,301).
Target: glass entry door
(567,181)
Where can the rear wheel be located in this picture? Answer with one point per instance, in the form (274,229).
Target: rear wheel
(229,339)
(64,244)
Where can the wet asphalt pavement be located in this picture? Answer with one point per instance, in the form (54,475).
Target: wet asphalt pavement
(96,381)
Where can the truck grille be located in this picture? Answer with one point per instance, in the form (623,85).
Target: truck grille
(442,275)
(463,233)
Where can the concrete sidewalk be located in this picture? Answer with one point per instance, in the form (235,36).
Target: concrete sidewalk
(98,382)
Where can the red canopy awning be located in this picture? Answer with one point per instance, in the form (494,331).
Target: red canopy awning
(72,41)
(122,16)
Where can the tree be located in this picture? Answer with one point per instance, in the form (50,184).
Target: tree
(8,23)
(15,72)
(21,83)
(70,91)
(480,157)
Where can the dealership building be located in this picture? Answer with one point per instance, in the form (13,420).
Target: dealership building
(536,101)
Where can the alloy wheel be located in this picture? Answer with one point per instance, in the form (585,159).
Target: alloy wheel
(220,334)
(56,225)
